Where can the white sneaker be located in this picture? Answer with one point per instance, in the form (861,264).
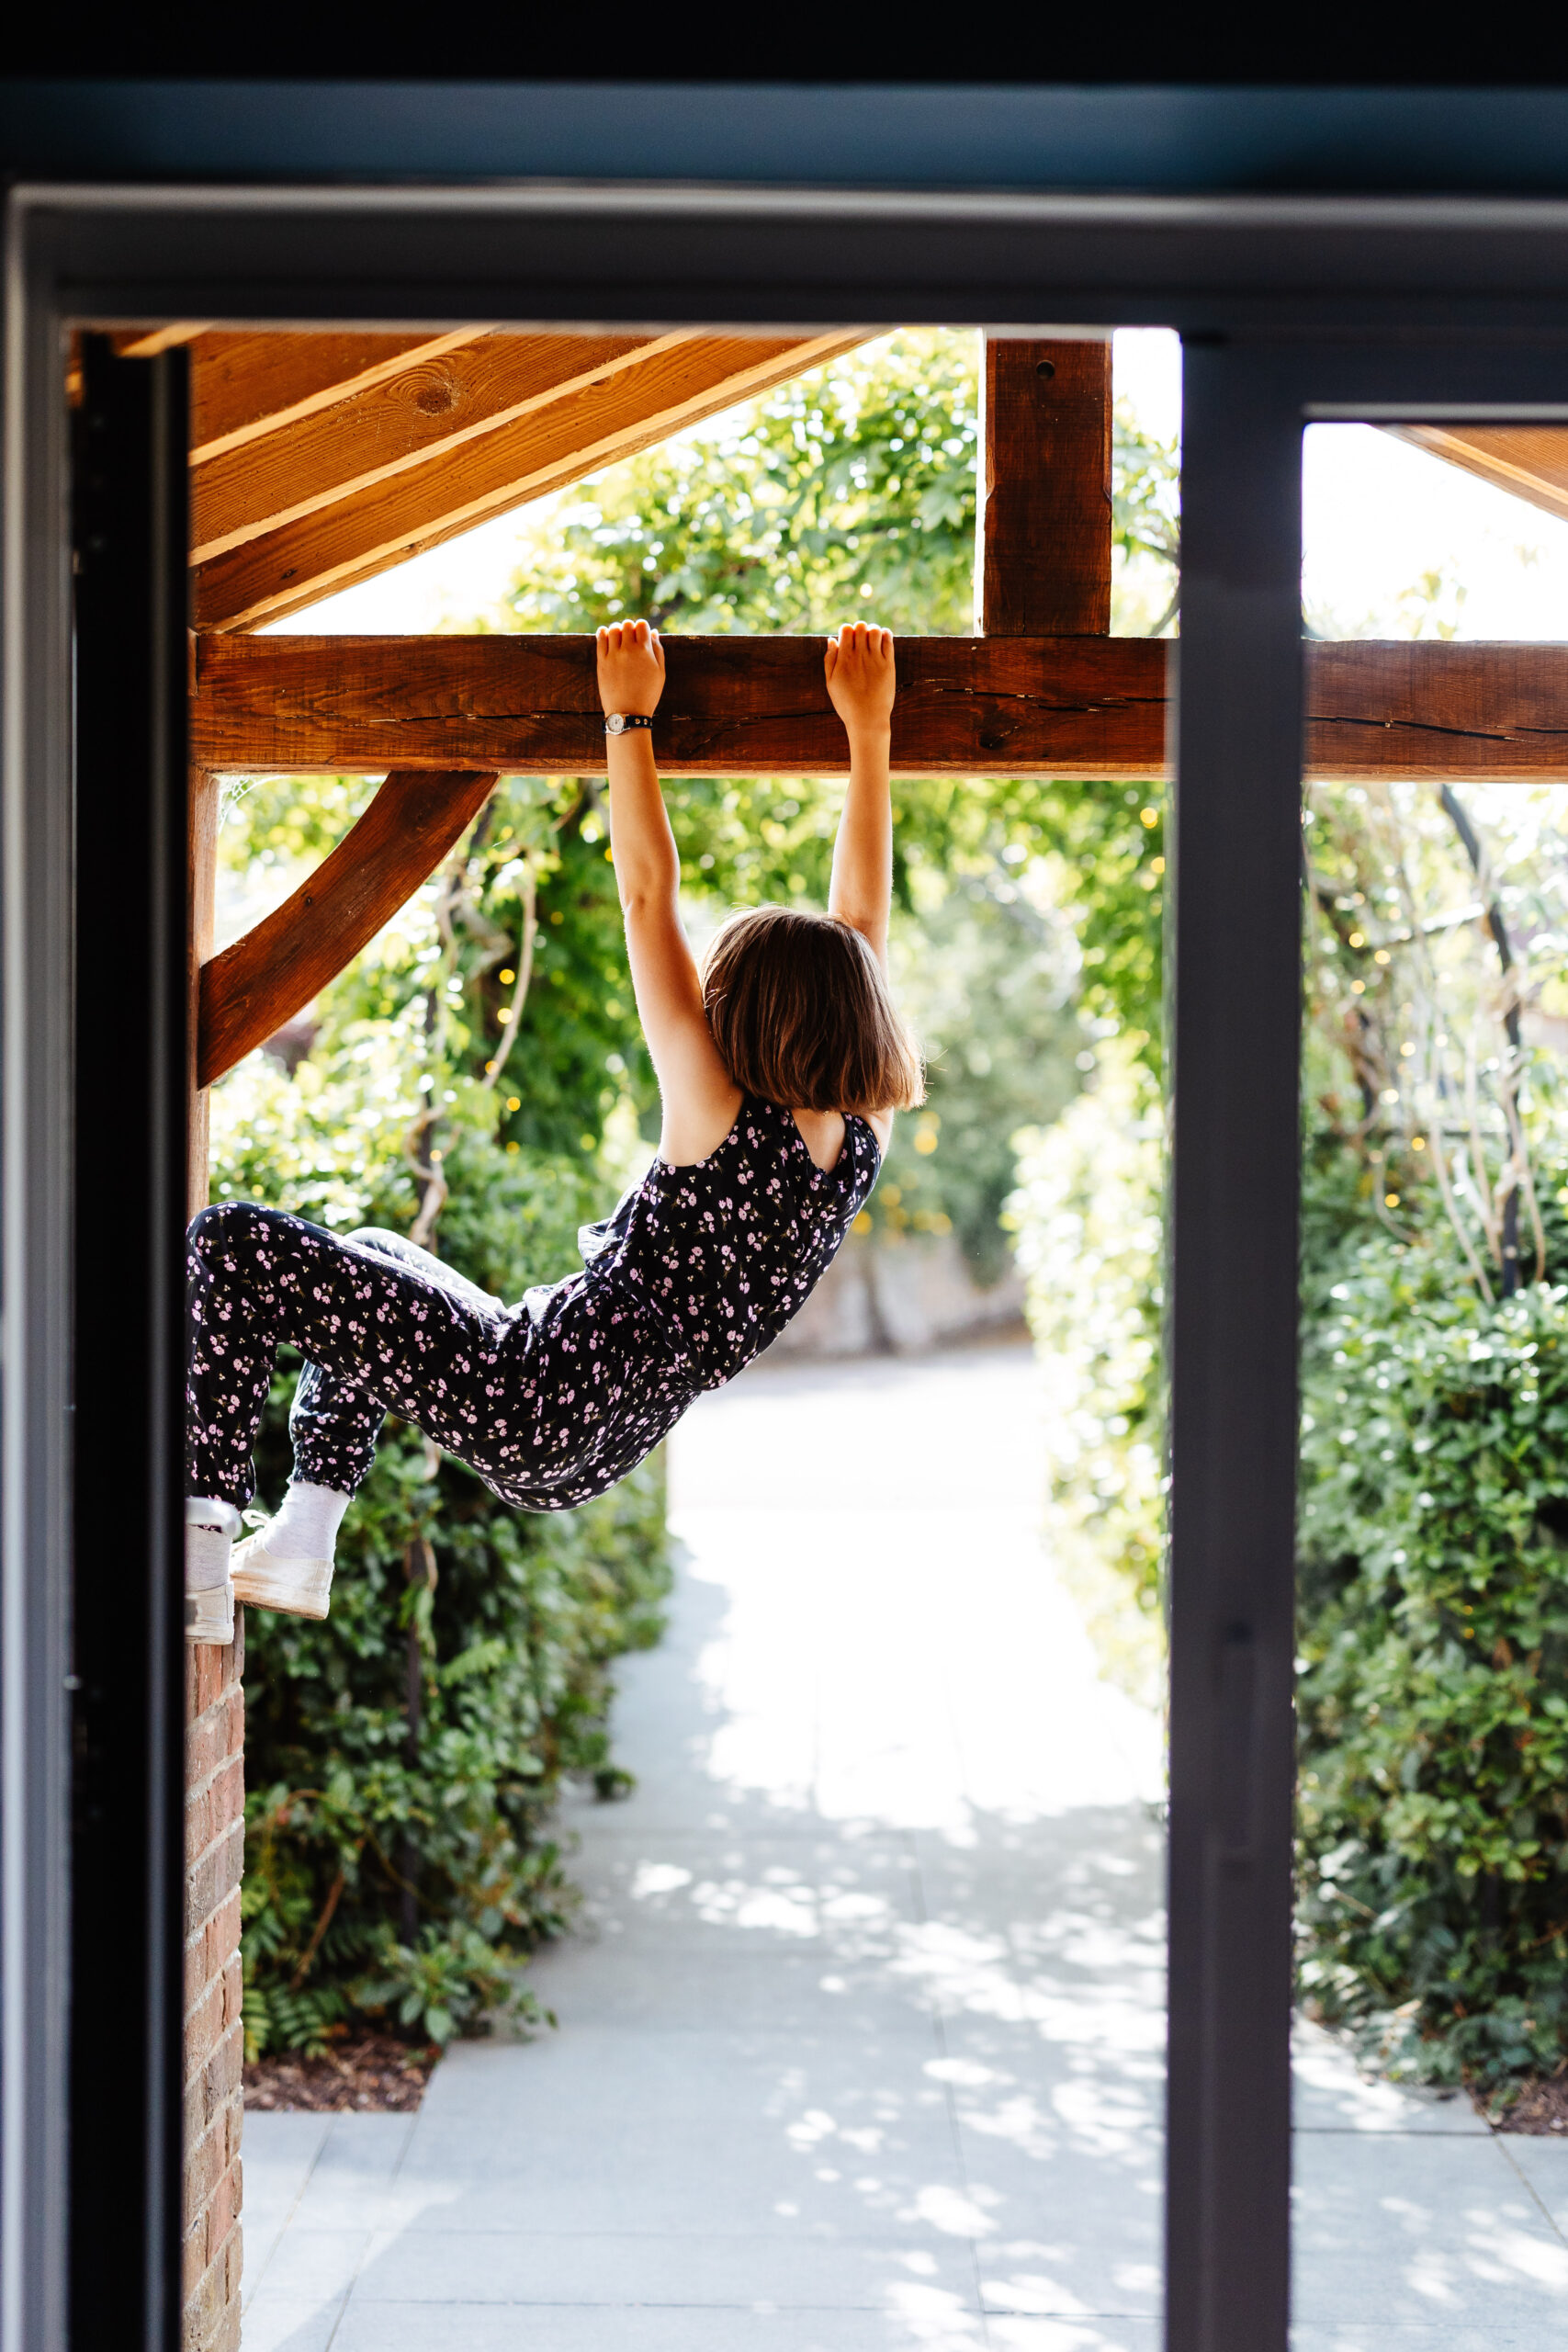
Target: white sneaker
(303,1588)
(210,1614)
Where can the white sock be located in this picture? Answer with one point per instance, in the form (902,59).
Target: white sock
(306,1528)
(209,1538)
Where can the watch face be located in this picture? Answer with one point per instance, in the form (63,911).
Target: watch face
(615,724)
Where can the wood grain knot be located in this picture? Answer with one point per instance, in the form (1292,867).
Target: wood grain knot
(433,392)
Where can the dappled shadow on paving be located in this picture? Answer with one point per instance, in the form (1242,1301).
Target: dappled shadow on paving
(860,2031)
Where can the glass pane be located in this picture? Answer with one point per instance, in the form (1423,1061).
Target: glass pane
(846,1908)
(1432,1907)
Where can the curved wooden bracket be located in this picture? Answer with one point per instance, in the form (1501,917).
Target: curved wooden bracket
(260,982)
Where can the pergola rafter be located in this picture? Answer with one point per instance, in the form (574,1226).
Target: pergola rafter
(370,456)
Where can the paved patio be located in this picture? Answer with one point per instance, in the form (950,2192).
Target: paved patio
(860,2046)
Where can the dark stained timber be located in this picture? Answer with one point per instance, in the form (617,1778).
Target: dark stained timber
(756,706)
(1046,516)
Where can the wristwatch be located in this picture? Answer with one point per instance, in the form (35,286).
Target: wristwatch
(617,721)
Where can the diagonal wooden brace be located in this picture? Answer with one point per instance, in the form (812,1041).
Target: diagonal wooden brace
(261,981)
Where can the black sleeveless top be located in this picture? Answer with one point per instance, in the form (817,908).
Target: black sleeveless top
(695,1272)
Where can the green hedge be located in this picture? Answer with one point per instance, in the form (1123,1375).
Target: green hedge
(1433,1808)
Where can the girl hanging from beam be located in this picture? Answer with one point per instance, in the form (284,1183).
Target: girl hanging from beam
(780,1062)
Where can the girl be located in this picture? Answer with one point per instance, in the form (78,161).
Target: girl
(780,1066)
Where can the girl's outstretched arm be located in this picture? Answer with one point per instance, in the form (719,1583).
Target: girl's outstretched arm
(860,686)
(700,1100)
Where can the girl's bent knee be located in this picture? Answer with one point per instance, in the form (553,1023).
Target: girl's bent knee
(226,1224)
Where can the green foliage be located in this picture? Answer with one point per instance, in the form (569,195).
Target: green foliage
(1087,1213)
(1434,1713)
(983,979)
(850,490)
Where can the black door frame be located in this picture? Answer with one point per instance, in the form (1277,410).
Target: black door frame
(1292,310)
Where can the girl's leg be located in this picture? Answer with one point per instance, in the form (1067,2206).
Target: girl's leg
(331,1410)
(388,1334)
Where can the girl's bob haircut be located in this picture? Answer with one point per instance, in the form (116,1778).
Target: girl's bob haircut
(802,1016)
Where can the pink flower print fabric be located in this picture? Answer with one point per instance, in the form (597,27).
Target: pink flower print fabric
(550,1401)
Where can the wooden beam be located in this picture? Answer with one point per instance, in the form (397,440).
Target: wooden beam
(411,416)
(1425,707)
(1044,520)
(739,705)
(733,706)
(260,982)
(201,881)
(675,383)
(245,385)
(1529,460)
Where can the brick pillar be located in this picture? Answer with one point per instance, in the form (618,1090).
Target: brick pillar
(214,2034)
(215,1833)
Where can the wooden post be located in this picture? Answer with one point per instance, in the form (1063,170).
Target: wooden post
(215,1824)
(203,819)
(1043,567)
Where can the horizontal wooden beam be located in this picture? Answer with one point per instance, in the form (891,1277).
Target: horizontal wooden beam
(271,974)
(621,407)
(755,706)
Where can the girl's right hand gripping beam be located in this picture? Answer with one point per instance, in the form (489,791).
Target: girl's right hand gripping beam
(860,680)
(630,668)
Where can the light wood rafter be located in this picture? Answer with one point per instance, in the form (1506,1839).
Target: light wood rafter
(245,386)
(1070,705)
(1529,460)
(352,485)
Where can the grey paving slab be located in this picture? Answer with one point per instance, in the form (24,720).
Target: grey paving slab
(607,2073)
(314,2266)
(275,2325)
(815,2174)
(1066,2233)
(276,2154)
(1486,2336)
(1087,2333)
(1331,2093)
(1391,2230)
(793,1992)
(463,2267)
(930,2326)
(358,2159)
(1544,2164)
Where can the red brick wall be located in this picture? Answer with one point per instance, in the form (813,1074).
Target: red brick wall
(215,1835)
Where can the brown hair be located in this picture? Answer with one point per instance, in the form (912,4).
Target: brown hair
(802,1014)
